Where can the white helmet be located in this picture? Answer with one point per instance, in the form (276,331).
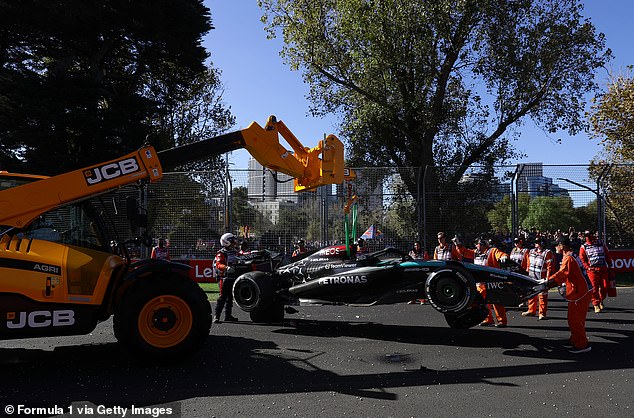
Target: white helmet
(227,239)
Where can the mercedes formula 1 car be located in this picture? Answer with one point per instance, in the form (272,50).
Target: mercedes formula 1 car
(328,276)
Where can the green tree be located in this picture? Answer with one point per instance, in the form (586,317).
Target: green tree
(401,217)
(81,82)
(243,214)
(200,115)
(294,220)
(612,119)
(179,211)
(550,213)
(425,83)
(500,217)
(587,216)
(313,229)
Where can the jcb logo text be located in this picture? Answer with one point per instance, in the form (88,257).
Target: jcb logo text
(111,171)
(40,319)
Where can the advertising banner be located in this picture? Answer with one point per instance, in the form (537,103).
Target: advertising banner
(201,270)
(622,260)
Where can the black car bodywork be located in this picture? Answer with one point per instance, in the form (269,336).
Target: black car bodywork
(328,276)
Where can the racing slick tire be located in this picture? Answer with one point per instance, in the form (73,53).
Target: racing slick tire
(470,318)
(450,290)
(253,291)
(163,319)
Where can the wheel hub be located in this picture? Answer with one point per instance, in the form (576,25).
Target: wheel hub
(246,294)
(448,291)
(164,319)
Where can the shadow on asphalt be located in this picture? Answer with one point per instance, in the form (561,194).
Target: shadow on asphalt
(228,365)
(510,338)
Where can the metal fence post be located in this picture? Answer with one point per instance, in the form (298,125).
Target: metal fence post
(601,204)
(599,210)
(515,216)
(425,208)
(324,218)
(143,198)
(419,215)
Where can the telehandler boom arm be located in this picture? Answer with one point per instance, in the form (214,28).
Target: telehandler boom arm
(21,205)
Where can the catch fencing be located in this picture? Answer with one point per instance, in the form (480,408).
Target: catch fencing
(395,206)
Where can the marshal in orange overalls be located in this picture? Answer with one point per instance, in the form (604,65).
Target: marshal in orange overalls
(578,294)
(487,256)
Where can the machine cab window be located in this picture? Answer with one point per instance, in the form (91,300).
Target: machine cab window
(72,225)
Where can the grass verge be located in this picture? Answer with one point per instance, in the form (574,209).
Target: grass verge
(625,279)
(211,289)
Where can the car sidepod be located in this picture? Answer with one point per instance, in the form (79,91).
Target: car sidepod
(361,286)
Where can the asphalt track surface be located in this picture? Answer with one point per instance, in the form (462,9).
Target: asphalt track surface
(397,360)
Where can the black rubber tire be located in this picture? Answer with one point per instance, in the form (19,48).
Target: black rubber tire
(163,319)
(253,291)
(271,314)
(470,318)
(450,290)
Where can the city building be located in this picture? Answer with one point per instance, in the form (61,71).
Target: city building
(531,180)
(266,186)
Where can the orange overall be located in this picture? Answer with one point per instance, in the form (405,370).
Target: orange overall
(491,257)
(578,294)
(596,259)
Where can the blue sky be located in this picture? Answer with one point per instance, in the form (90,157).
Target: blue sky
(258,84)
